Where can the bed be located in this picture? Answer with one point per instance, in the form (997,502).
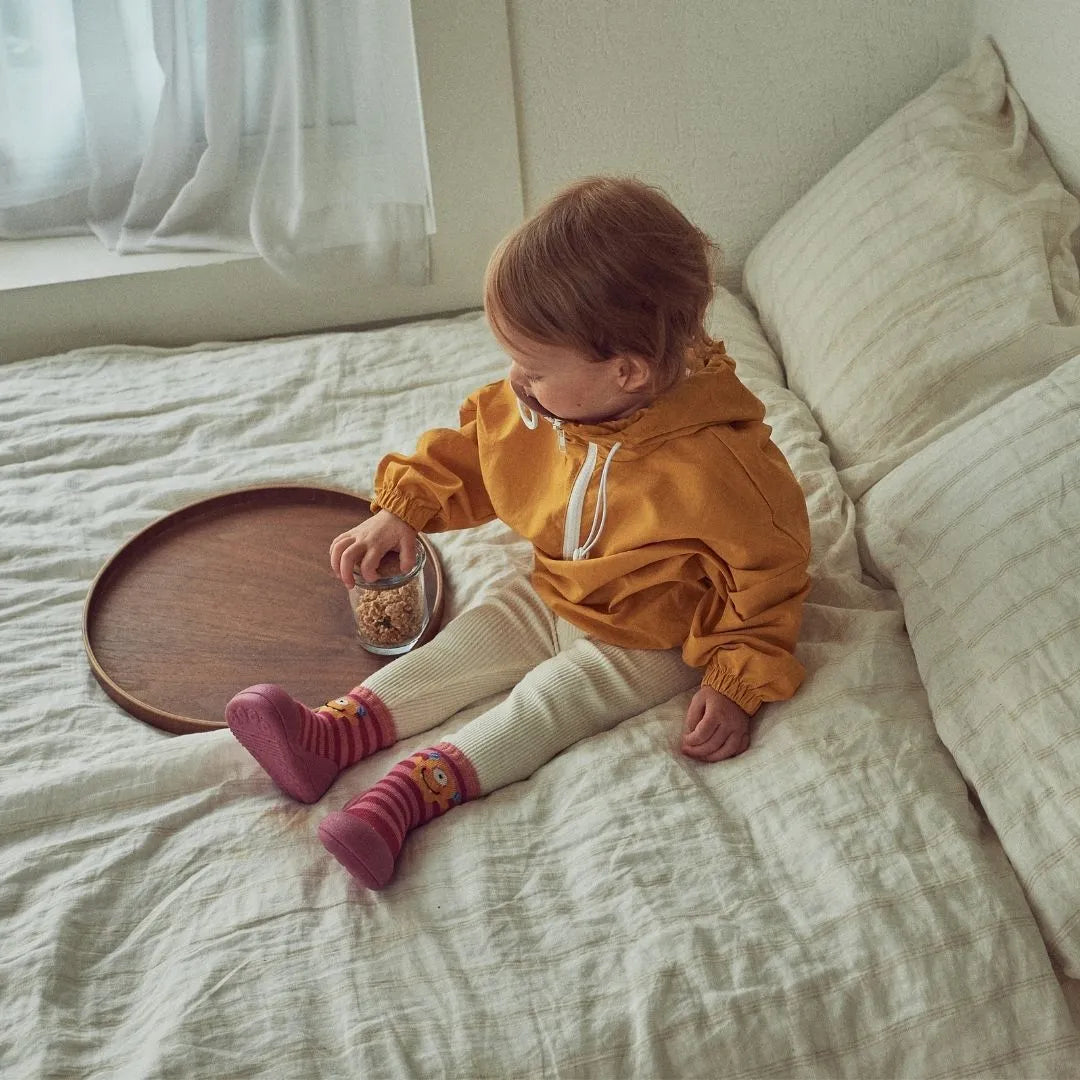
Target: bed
(886,885)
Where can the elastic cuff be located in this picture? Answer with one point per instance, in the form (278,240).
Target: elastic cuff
(384,722)
(412,513)
(725,683)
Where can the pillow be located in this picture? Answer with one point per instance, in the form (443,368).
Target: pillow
(980,534)
(733,323)
(927,276)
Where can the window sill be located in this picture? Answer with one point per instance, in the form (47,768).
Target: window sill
(26,264)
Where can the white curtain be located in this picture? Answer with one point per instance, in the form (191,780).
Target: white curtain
(282,127)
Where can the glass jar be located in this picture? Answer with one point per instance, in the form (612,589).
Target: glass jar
(391,612)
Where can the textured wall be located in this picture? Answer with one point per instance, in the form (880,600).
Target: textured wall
(735,107)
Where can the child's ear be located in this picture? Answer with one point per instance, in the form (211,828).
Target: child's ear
(635,374)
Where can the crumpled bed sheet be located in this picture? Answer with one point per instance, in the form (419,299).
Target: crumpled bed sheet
(829,904)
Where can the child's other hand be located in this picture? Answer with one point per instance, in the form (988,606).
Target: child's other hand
(715,728)
(365,544)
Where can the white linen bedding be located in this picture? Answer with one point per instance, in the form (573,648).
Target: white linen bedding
(978,532)
(829,904)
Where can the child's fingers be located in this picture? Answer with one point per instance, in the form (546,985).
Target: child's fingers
(350,560)
(337,547)
(407,552)
(702,732)
(703,749)
(732,746)
(369,563)
(342,568)
(725,740)
(345,563)
(694,713)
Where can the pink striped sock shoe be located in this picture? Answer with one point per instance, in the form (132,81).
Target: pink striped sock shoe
(367,835)
(303,749)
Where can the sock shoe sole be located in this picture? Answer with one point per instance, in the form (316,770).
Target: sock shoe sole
(265,720)
(358,847)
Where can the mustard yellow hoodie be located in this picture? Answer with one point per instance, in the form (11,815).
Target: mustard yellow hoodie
(679,525)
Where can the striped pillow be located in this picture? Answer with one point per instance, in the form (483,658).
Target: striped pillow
(927,276)
(980,534)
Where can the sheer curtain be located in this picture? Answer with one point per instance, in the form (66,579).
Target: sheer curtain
(282,127)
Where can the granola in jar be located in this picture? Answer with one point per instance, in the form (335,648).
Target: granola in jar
(390,612)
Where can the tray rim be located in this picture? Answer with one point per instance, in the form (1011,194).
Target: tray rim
(185,725)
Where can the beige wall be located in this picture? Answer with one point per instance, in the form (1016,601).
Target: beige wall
(735,107)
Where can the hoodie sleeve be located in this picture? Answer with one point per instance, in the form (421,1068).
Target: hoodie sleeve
(440,487)
(745,628)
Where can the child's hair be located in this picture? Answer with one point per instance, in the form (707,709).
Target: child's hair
(607,266)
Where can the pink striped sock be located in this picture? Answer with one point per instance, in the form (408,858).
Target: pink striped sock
(367,835)
(348,729)
(302,749)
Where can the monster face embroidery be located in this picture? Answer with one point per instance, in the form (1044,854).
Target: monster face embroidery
(345,708)
(435,780)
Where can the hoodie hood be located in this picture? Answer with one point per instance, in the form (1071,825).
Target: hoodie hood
(709,394)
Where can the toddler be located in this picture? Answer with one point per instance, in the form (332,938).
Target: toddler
(670,537)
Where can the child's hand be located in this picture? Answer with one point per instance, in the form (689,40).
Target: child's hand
(366,544)
(716,728)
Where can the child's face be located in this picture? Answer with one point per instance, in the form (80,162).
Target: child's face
(564,384)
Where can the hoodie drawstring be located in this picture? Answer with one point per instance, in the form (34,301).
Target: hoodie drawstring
(528,417)
(600,513)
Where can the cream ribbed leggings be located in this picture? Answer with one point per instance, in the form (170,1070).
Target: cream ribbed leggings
(565,685)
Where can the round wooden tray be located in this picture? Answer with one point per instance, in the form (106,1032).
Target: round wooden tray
(229,591)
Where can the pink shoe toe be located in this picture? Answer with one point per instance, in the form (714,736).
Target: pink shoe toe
(358,847)
(266,721)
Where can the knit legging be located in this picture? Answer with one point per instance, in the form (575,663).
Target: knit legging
(564,686)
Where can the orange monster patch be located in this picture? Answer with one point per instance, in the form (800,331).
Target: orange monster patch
(346,708)
(435,781)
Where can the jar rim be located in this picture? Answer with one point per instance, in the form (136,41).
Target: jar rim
(394,580)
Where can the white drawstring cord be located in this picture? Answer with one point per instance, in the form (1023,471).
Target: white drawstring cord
(528,417)
(601,508)
(531,420)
